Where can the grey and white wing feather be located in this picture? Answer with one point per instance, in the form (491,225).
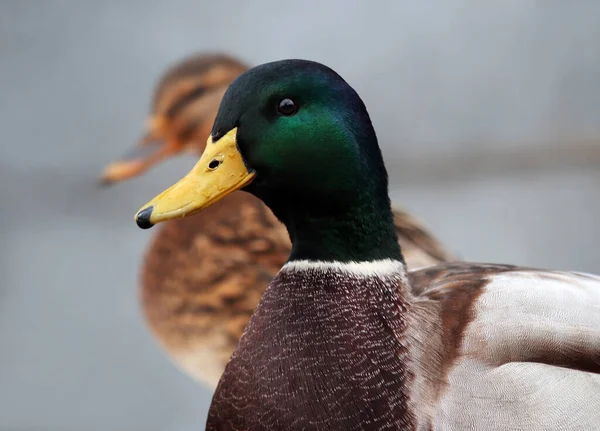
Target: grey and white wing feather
(530,358)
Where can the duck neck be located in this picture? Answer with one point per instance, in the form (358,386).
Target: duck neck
(342,296)
(361,229)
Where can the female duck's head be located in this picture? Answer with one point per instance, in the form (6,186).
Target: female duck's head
(297,136)
(183,109)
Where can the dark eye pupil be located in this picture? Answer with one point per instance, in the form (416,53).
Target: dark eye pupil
(287,107)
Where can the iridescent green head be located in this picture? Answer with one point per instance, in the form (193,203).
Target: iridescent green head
(297,136)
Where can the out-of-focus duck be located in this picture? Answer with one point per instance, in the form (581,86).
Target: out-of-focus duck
(202,276)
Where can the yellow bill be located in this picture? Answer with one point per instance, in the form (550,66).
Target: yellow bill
(220,171)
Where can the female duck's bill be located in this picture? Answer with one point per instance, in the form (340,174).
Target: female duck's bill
(220,171)
(149,150)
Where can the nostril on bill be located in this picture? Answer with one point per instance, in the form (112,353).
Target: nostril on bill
(214,164)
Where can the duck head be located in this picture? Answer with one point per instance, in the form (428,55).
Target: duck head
(297,136)
(183,109)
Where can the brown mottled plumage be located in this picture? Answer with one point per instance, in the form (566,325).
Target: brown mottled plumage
(203,276)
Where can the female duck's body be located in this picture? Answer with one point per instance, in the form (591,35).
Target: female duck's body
(345,337)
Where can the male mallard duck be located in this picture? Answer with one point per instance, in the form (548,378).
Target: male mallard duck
(345,337)
(203,276)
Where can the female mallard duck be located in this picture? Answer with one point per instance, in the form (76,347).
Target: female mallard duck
(344,337)
(203,276)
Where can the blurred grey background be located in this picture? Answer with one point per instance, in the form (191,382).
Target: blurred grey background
(487,113)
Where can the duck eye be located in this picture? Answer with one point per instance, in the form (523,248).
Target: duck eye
(287,107)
